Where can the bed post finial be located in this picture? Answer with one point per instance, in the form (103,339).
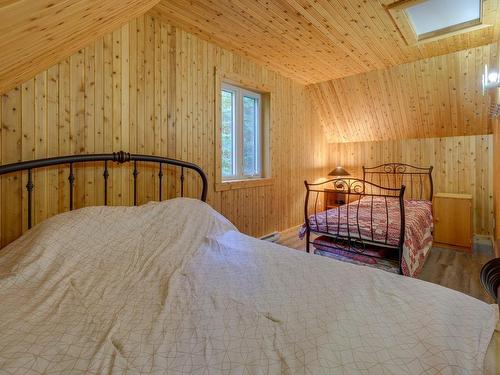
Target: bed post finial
(121,157)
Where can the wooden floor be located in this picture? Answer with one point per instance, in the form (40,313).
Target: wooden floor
(447,267)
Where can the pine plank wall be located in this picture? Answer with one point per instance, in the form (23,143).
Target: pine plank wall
(428,112)
(496,181)
(149,88)
(495,124)
(461,165)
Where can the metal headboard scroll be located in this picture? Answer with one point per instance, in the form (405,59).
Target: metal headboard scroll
(117,157)
(418,180)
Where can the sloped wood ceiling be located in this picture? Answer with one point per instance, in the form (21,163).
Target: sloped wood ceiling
(314,40)
(35,34)
(435,97)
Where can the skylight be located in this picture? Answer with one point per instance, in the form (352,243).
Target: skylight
(433,17)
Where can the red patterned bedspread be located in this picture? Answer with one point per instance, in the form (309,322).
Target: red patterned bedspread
(418,228)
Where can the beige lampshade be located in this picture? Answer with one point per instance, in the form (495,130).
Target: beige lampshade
(339,171)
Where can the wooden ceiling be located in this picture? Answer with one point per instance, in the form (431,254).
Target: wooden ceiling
(436,97)
(309,41)
(368,82)
(315,40)
(35,34)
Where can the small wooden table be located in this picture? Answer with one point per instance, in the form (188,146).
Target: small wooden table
(453,220)
(334,198)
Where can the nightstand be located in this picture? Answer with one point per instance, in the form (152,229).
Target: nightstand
(453,219)
(333,198)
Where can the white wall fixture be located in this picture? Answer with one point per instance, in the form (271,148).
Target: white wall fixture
(490,80)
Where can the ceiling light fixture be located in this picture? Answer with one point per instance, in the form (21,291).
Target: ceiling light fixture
(490,80)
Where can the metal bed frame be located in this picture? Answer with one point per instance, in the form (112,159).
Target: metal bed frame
(344,233)
(418,180)
(117,157)
(395,181)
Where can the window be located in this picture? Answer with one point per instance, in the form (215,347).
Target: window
(441,16)
(421,21)
(241,133)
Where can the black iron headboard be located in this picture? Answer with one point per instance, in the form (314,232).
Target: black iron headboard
(418,180)
(118,157)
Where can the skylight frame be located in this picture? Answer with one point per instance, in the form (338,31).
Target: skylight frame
(400,17)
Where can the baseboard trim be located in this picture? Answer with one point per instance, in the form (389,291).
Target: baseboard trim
(271,237)
(464,249)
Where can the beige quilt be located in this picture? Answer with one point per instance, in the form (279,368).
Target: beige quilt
(173,288)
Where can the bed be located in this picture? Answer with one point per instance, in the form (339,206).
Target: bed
(384,217)
(173,287)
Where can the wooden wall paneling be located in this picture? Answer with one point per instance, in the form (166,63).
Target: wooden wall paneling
(462,165)
(89,130)
(40,150)
(107,93)
(28,133)
(148,87)
(124,128)
(496,172)
(207,130)
(53,138)
(11,153)
(162,97)
(189,150)
(132,107)
(141,114)
(64,132)
(157,103)
(485,198)
(116,116)
(495,124)
(489,187)
(149,188)
(3,179)
(173,88)
(77,120)
(181,104)
(99,121)
(435,97)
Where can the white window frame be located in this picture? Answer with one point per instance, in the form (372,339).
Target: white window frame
(239,93)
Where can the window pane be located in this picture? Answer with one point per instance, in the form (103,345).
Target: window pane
(227,133)
(434,15)
(250,136)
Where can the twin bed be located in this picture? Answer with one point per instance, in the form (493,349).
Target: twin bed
(173,287)
(387,215)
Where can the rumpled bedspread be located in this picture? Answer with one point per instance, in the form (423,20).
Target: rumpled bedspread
(174,288)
